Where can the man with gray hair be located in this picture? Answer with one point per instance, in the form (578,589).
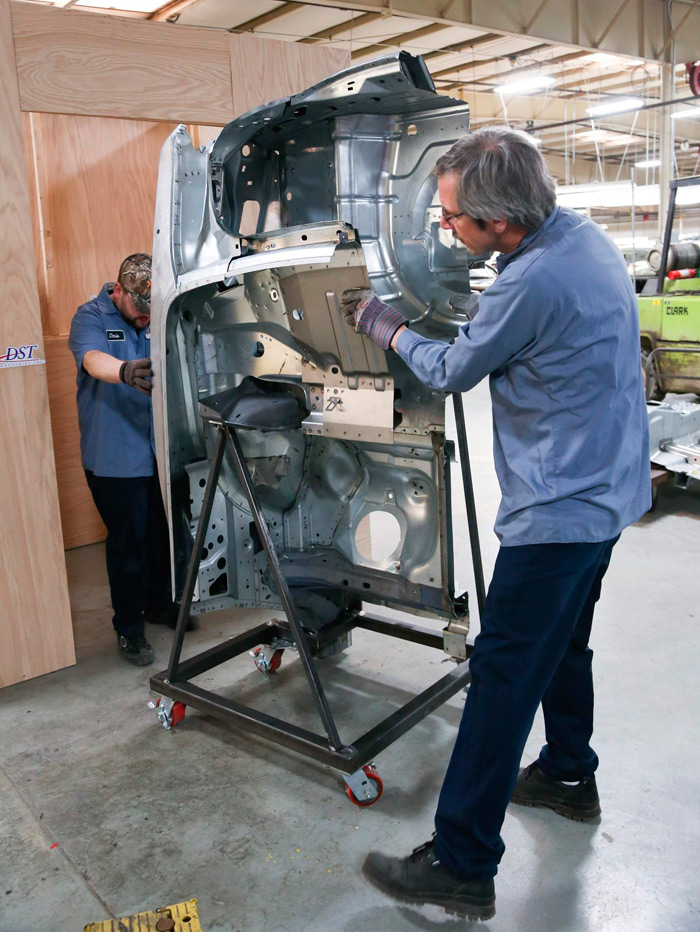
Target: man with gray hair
(558,335)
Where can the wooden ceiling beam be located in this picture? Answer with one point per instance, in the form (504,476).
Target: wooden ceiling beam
(481,81)
(326,35)
(406,38)
(252,24)
(463,46)
(487,61)
(174,8)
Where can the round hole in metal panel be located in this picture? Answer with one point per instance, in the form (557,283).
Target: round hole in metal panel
(377,535)
(257,349)
(412,129)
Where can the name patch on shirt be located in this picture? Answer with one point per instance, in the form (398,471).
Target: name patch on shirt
(115,335)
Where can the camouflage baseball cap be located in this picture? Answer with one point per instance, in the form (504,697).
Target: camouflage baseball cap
(135,277)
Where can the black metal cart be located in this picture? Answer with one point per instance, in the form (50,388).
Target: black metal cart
(228,413)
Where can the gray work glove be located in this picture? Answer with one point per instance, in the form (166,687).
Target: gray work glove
(135,373)
(369,315)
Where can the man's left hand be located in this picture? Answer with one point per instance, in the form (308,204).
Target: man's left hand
(367,314)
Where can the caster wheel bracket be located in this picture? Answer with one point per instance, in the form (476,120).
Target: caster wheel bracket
(364,787)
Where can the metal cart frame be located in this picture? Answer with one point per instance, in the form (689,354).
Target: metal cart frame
(327,748)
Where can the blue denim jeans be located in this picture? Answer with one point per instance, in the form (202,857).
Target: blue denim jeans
(532,648)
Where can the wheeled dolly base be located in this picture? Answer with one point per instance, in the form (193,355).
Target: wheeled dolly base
(267,641)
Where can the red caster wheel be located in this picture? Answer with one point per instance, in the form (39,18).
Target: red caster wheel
(267,659)
(177,713)
(169,711)
(365,786)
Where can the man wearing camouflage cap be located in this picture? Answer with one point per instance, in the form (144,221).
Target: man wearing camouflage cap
(110,339)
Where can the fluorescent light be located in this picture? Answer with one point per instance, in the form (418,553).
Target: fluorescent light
(606,137)
(602,58)
(641,242)
(620,139)
(595,195)
(592,134)
(689,113)
(525,85)
(128,6)
(648,163)
(614,194)
(621,105)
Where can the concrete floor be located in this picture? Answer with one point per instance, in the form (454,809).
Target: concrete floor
(267,840)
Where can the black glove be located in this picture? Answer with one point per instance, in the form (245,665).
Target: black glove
(135,373)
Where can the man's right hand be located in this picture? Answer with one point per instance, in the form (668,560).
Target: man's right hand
(372,317)
(135,373)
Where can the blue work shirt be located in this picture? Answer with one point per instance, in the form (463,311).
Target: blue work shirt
(116,423)
(558,334)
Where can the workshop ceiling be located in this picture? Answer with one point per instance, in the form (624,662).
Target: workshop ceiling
(619,52)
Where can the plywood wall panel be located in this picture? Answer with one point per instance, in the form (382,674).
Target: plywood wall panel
(35,623)
(93,185)
(263,70)
(96,193)
(91,64)
(80,520)
(35,213)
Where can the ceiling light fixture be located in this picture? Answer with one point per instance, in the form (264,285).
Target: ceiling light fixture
(619,194)
(648,163)
(620,139)
(592,134)
(524,85)
(688,113)
(603,58)
(621,105)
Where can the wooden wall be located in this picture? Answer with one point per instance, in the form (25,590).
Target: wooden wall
(35,626)
(93,179)
(93,185)
(93,97)
(155,71)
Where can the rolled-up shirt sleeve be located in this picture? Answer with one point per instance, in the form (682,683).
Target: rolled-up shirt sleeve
(87,332)
(506,326)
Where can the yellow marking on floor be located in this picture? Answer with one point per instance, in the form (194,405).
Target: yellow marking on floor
(182,917)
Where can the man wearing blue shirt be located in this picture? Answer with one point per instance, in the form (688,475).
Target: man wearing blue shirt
(558,335)
(110,339)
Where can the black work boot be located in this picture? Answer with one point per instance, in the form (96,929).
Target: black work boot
(577,801)
(168,617)
(136,650)
(421,878)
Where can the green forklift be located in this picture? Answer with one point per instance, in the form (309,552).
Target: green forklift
(669,316)
(669,312)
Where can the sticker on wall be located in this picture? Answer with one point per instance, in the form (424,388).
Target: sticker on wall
(20,356)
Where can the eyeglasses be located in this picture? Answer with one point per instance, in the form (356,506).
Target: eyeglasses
(448,218)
